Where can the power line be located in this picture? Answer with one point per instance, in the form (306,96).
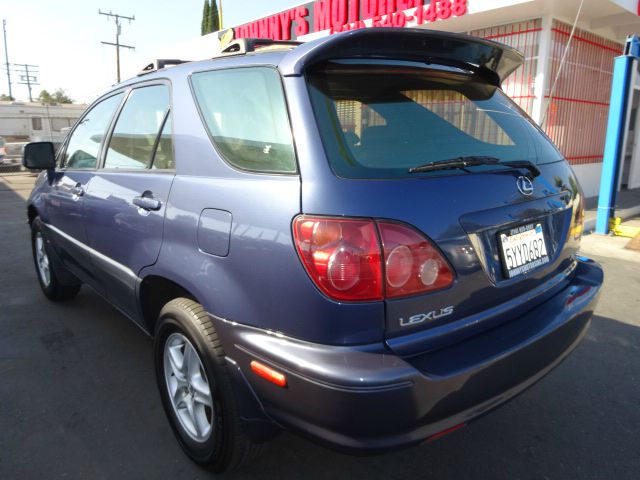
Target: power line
(6,55)
(117,18)
(27,77)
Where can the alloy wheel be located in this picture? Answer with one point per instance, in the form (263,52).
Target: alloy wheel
(42,259)
(188,388)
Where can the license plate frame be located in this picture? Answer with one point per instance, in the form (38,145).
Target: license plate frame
(522,248)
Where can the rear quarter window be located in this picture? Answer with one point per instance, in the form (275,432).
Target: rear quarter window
(245,113)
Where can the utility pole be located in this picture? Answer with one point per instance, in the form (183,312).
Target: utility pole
(27,77)
(118,31)
(6,55)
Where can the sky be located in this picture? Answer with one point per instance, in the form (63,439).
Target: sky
(63,38)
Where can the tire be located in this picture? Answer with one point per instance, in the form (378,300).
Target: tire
(48,269)
(210,430)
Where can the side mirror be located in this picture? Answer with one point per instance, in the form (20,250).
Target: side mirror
(39,156)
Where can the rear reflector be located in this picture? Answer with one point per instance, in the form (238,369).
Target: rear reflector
(441,434)
(268,374)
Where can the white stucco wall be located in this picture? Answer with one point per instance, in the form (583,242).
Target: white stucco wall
(589,177)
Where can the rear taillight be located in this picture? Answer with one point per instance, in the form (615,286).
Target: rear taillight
(342,256)
(347,261)
(412,264)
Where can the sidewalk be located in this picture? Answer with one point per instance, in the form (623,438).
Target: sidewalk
(627,206)
(612,247)
(17,183)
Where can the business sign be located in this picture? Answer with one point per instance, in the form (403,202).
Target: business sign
(324,17)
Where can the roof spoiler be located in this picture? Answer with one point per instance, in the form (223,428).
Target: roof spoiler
(492,60)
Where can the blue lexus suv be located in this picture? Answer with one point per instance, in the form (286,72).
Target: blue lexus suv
(360,239)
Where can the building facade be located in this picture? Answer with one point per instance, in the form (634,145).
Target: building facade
(32,122)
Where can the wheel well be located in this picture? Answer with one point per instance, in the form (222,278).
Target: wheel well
(32,213)
(155,293)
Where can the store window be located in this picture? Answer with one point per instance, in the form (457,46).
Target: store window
(58,124)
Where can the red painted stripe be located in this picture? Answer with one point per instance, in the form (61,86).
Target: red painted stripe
(577,100)
(584,157)
(522,96)
(590,42)
(584,162)
(511,34)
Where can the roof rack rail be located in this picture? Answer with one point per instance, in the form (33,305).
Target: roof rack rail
(242,46)
(159,64)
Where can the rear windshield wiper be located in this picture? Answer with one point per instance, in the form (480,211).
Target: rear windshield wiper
(455,163)
(523,164)
(471,161)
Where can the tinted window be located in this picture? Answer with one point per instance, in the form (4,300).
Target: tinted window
(134,136)
(245,112)
(83,147)
(378,121)
(163,158)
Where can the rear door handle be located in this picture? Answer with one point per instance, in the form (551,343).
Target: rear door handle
(147,202)
(77,190)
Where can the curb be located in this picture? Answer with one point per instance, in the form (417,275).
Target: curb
(625,214)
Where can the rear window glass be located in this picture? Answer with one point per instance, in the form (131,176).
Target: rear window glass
(378,121)
(245,112)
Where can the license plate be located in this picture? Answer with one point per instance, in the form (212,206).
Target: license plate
(523,249)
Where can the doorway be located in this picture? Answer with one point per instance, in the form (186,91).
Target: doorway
(630,167)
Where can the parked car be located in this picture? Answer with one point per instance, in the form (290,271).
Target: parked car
(360,239)
(11,161)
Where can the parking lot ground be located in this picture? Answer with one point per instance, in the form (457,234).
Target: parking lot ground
(78,399)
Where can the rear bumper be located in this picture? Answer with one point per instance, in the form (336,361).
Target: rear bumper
(367,399)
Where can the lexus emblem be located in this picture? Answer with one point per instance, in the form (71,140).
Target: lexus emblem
(525,186)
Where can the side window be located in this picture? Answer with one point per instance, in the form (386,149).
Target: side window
(163,158)
(245,112)
(134,137)
(83,146)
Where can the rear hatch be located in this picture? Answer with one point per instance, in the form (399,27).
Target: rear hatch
(378,120)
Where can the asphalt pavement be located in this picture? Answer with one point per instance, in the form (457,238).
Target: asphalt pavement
(78,398)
